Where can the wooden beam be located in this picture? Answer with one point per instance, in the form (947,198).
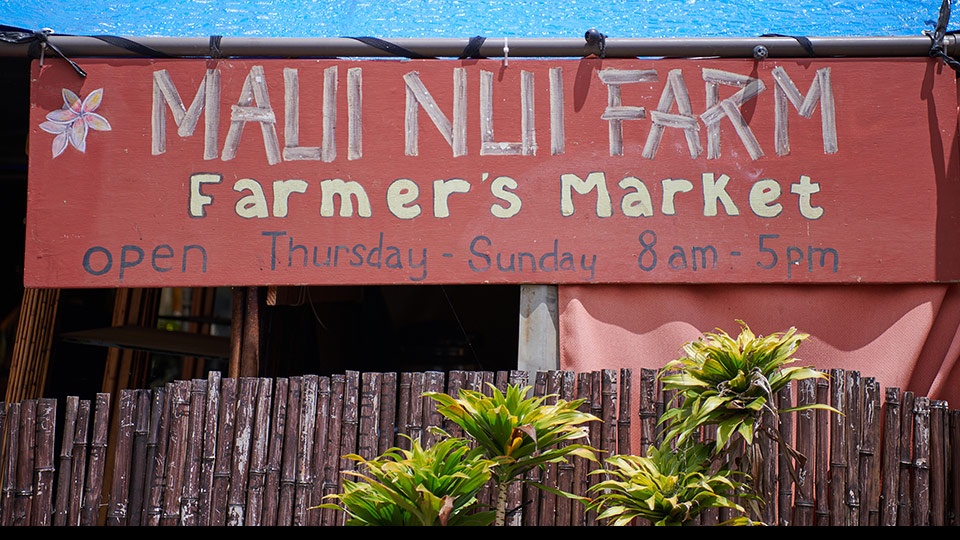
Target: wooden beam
(539,344)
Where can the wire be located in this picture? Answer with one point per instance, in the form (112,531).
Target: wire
(462,329)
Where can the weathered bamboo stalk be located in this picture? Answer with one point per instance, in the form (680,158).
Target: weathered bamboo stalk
(123,459)
(869,460)
(890,476)
(275,452)
(259,452)
(304,465)
(288,463)
(904,495)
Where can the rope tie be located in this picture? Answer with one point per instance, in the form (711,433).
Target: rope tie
(391,48)
(936,37)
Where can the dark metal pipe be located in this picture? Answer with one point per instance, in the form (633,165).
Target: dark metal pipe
(776,47)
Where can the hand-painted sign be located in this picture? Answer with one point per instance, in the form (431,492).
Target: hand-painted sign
(195,172)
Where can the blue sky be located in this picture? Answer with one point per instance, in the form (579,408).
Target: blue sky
(467,18)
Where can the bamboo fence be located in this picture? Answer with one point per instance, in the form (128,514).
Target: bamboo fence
(264,452)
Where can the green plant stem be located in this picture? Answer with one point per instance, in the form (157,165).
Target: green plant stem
(501,515)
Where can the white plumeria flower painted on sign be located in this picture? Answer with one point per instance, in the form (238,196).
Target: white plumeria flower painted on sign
(71,123)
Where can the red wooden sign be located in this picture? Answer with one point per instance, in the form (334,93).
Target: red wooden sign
(200,172)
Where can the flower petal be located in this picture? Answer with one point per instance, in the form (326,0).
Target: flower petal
(78,135)
(71,100)
(97,122)
(59,144)
(63,116)
(54,127)
(92,101)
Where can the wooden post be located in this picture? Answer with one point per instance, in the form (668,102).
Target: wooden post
(250,355)
(539,343)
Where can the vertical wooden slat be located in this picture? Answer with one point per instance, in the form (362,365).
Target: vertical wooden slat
(869,458)
(368,441)
(23,502)
(766,483)
(44,467)
(784,478)
(904,494)
(139,464)
(890,477)
(208,459)
(350,420)
(321,434)
(176,451)
(240,463)
(388,412)
(271,498)
(403,409)
(414,420)
(220,487)
(433,381)
(193,462)
(62,504)
(332,479)
(304,465)
(838,449)
(852,434)
(938,469)
(455,381)
(157,455)
(259,451)
(98,449)
(78,468)
(11,453)
(822,470)
(123,460)
(648,409)
(953,512)
(624,417)
(921,462)
(803,513)
(288,464)
(954,450)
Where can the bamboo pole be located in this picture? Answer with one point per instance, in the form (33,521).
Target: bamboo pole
(32,345)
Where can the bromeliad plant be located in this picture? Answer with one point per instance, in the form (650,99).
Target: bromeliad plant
(437,485)
(669,486)
(731,384)
(721,382)
(518,433)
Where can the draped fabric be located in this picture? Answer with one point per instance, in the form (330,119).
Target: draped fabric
(904,335)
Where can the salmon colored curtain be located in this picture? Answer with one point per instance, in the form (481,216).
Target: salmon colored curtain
(904,336)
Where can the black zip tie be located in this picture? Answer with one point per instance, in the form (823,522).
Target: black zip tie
(215,51)
(803,41)
(12,34)
(133,46)
(472,50)
(936,37)
(391,48)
